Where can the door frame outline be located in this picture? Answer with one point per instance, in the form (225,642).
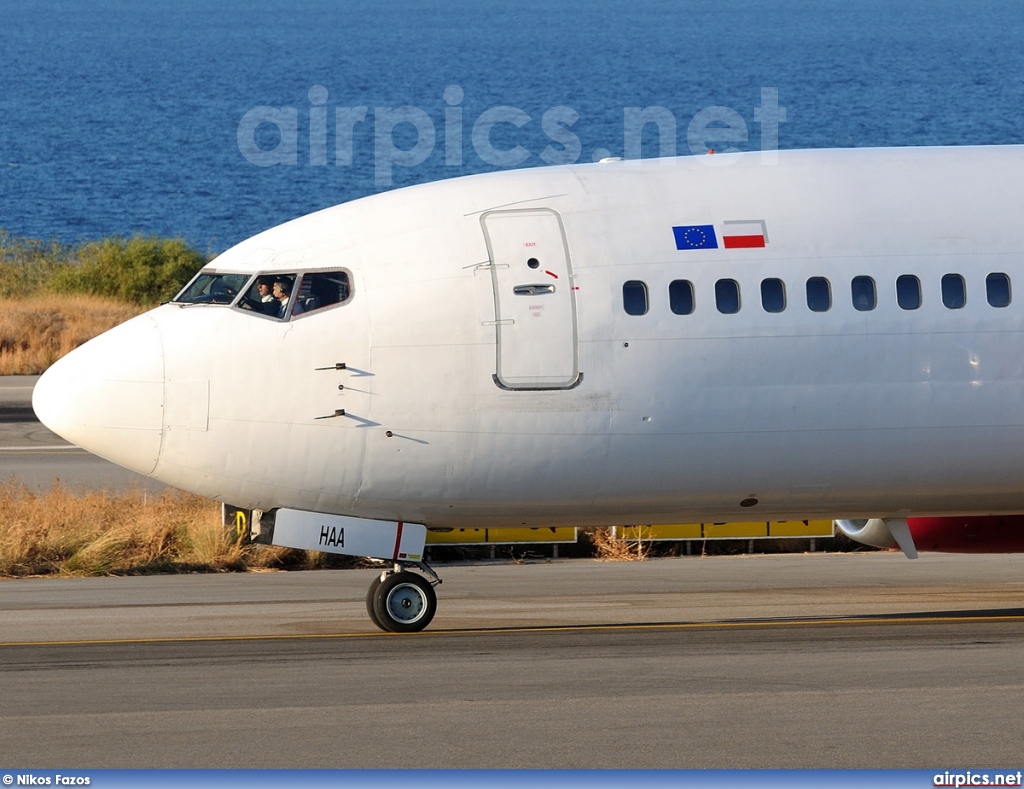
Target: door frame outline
(499,319)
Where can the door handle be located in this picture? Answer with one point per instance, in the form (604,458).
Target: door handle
(533,290)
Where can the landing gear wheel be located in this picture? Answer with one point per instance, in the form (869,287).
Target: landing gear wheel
(371,595)
(403,602)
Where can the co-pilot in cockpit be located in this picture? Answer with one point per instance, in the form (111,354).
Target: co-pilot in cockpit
(281,295)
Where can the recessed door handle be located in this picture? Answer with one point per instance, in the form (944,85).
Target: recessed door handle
(533,290)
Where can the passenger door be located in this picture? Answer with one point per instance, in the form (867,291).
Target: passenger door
(534,300)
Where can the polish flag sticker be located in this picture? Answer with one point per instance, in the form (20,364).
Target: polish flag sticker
(746,234)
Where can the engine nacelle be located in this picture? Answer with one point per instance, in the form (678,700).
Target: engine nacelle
(968,534)
(880,533)
(871,532)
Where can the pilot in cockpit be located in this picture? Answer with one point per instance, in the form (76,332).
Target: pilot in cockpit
(265,289)
(282,292)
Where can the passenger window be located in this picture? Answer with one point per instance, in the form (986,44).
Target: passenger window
(863,292)
(997,287)
(954,291)
(819,294)
(634,297)
(773,295)
(908,292)
(320,289)
(727,296)
(680,297)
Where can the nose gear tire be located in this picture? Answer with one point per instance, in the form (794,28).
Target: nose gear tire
(403,602)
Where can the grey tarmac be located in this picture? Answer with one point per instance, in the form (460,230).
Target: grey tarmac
(820,660)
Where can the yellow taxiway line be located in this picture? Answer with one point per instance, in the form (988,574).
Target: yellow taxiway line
(773,623)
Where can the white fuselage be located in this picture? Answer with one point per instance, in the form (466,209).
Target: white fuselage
(479,389)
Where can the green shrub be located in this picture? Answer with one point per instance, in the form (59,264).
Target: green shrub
(141,269)
(28,264)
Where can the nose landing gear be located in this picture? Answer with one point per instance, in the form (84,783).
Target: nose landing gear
(400,601)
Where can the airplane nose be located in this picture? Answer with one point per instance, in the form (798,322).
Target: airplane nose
(107,396)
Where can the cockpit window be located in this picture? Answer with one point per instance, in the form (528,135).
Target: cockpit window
(320,289)
(269,294)
(211,288)
(293,294)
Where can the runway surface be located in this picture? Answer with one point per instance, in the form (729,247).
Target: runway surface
(864,660)
(33,456)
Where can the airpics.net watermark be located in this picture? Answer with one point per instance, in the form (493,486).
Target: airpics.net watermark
(269,136)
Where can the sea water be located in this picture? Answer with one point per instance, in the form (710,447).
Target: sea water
(215,119)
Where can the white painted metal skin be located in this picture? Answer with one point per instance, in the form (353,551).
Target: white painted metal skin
(662,417)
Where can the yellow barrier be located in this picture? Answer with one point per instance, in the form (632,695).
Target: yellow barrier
(721,531)
(725,531)
(667,532)
(800,529)
(545,535)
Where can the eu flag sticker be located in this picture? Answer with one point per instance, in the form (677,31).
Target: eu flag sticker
(695,237)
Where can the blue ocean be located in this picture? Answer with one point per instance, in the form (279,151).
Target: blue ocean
(215,119)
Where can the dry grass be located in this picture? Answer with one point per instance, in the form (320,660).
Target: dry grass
(609,549)
(60,533)
(36,331)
